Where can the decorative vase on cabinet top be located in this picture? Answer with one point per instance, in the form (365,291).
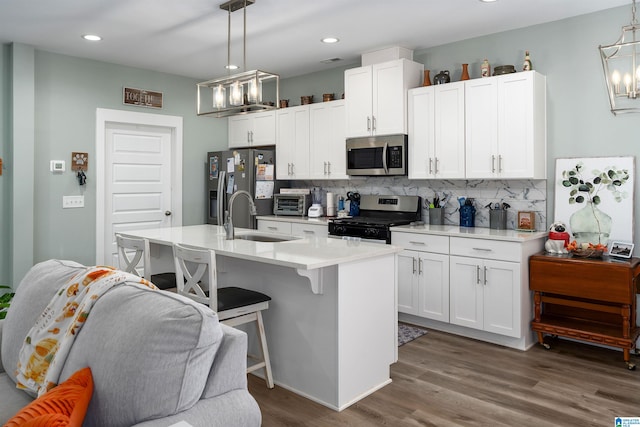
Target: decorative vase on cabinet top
(427,78)
(442,77)
(465,72)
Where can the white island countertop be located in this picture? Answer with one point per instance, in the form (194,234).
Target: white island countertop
(471,232)
(300,253)
(323,220)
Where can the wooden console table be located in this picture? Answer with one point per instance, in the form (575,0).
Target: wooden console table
(591,300)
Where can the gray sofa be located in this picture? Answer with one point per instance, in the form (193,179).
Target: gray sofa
(156,358)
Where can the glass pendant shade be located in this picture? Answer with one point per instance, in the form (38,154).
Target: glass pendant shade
(621,65)
(236,94)
(219,97)
(255,91)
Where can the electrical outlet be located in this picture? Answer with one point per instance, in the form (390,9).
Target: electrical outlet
(69,202)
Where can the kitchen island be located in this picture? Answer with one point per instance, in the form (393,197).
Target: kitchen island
(330,327)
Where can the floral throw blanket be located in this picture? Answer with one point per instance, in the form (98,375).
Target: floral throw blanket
(49,341)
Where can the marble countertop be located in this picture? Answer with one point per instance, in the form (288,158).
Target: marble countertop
(301,253)
(471,232)
(323,220)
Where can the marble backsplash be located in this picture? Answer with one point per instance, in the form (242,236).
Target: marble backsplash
(521,195)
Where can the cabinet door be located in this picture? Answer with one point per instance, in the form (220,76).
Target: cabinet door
(449,128)
(466,305)
(433,289)
(239,131)
(408,282)
(319,127)
(337,150)
(421,132)
(389,110)
(264,128)
(292,149)
(274,226)
(481,111)
(358,100)
(502,298)
(515,126)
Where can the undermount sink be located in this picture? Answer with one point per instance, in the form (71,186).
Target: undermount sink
(264,238)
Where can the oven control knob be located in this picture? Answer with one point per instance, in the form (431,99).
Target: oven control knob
(371,232)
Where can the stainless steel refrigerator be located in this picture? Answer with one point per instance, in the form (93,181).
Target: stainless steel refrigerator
(249,169)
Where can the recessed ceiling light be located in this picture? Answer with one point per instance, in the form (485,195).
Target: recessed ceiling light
(231,67)
(330,40)
(488,1)
(91,37)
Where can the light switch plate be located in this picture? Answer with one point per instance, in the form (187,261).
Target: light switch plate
(56,166)
(69,202)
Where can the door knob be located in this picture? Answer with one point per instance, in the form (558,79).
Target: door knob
(167,213)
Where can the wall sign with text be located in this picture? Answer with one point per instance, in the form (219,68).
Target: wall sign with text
(141,97)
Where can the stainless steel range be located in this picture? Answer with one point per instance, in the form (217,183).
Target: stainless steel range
(377,215)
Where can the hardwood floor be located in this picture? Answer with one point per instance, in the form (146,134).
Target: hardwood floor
(446,380)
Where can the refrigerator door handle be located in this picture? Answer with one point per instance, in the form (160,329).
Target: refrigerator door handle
(222,177)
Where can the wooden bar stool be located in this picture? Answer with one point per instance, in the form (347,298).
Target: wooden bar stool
(196,278)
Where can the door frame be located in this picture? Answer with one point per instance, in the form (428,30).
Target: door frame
(103,118)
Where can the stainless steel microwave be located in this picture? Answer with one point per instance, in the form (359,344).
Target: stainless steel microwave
(377,155)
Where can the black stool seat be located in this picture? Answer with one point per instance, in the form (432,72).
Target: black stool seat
(233,297)
(164,281)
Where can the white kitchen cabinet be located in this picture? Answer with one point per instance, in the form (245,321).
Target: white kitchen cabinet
(423,275)
(486,293)
(254,129)
(292,147)
(506,126)
(309,230)
(327,141)
(376,97)
(274,226)
(436,131)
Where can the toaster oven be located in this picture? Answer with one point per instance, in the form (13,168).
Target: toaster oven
(291,204)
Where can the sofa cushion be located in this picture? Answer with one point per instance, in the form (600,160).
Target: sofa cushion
(150,353)
(32,296)
(64,405)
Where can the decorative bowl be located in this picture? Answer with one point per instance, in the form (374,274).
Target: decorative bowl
(304,100)
(504,69)
(588,253)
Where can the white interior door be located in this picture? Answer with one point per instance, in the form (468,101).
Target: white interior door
(139,175)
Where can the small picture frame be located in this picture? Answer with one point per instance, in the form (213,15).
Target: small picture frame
(526,221)
(621,249)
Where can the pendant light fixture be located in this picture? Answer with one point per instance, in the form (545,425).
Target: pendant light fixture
(621,65)
(239,93)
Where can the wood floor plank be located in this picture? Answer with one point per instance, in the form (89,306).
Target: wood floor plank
(446,380)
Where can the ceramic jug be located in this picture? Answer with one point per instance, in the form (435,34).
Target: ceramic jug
(442,77)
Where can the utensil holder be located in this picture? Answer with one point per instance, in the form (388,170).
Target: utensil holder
(436,216)
(467,216)
(498,219)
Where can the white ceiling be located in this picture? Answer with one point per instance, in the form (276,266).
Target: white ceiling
(189,37)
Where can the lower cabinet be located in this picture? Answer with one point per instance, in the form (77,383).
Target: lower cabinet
(485,294)
(423,284)
(294,228)
(423,275)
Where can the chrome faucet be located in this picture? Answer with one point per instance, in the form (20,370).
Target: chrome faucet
(228,215)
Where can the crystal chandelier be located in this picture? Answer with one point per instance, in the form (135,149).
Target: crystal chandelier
(239,93)
(621,65)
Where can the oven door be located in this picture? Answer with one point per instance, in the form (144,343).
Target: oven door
(359,239)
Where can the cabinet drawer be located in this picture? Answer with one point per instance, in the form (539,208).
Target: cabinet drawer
(274,226)
(309,230)
(421,242)
(486,249)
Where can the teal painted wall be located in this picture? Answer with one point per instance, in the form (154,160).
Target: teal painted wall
(68,90)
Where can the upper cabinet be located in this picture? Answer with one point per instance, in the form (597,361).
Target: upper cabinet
(255,129)
(376,97)
(436,131)
(292,148)
(327,141)
(506,130)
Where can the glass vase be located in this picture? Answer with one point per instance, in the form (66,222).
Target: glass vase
(590,225)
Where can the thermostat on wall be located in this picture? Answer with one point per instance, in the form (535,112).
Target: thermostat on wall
(56,166)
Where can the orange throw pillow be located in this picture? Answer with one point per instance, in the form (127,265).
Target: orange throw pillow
(62,406)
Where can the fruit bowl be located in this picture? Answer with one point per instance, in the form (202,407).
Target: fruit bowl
(587,253)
